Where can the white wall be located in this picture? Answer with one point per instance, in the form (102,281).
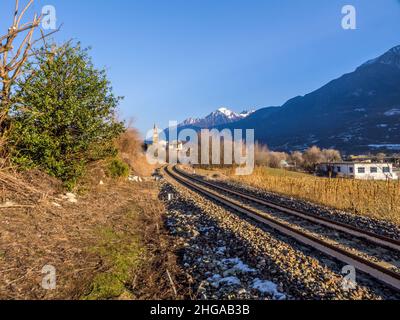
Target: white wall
(345,169)
(379,175)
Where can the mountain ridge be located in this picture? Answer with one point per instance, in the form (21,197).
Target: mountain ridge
(357,112)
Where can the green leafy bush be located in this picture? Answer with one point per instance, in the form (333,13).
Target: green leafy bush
(118,169)
(64,117)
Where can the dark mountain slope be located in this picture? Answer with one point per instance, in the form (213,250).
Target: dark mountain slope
(351,113)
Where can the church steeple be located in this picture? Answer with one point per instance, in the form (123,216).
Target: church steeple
(155,135)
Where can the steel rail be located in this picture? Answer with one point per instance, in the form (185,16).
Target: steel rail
(346,228)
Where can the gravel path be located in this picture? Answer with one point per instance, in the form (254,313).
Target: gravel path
(231,257)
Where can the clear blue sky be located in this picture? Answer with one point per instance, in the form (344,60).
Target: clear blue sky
(180,58)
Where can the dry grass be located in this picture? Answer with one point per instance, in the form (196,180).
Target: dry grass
(28,188)
(137,254)
(116,228)
(52,231)
(377,199)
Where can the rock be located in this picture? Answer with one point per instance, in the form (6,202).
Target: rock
(135,179)
(242,292)
(195,233)
(70,197)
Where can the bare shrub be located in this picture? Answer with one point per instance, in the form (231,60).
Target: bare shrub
(261,155)
(16,47)
(277,158)
(312,157)
(309,160)
(131,150)
(331,155)
(267,158)
(380,157)
(297,159)
(129,145)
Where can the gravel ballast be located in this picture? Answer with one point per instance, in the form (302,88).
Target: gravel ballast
(228,256)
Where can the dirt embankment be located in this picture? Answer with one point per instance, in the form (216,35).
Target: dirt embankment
(106,241)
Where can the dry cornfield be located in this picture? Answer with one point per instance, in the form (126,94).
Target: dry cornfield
(378,199)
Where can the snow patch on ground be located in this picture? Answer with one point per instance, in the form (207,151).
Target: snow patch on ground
(206,229)
(232,281)
(216,280)
(237,265)
(268,287)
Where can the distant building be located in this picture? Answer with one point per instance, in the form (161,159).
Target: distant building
(359,170)
(394,159)
(176,146)
(155,135)
(285,164)
(173,145)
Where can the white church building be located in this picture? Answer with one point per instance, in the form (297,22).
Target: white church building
(167,145)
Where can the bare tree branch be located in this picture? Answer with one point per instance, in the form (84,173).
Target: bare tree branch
(12,63)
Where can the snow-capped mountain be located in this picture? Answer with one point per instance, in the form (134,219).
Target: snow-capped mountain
(220,117)
(356,113)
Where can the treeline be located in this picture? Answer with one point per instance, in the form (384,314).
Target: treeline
(307,160)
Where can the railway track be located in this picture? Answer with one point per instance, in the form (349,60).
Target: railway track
(249,206)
